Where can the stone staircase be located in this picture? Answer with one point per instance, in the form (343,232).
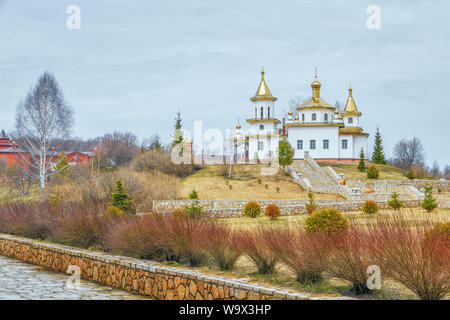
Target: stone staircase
(311,176)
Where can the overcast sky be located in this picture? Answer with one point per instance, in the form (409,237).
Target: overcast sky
(133,64)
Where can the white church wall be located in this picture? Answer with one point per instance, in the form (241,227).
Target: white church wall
(360,142)
(320,133)
(349,151)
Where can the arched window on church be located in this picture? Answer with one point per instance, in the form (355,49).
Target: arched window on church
(313,117)
(325,117)
(262,112)
(256,112)
(268,112)
(350,120)
(303,117)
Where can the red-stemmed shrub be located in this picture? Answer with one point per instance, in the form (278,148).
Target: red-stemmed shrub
(254,245)
(144,237)
(410,253)
(221,242)
(80,226)
(31,220)
(186,234)
(347,256)
(299,250)
(272,211)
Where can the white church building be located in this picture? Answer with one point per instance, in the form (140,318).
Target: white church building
(314,126)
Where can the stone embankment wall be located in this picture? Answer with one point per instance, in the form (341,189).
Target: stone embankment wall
(443,185)
(234,208)
(137,276)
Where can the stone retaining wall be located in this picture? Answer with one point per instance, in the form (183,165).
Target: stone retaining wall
(234,208)
(138,276)
(443,185)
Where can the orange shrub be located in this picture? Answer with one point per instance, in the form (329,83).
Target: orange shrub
(272,211)
(369,207)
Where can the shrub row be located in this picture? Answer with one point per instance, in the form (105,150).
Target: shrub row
(414,254)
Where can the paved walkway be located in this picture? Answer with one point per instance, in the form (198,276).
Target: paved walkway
(23,281)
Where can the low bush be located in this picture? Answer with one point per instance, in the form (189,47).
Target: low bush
(222,244)
(160,160)
(311,206)
(185,235)
(81,226)
(407,253)
(300,251)
(347,256)
(144,237)
(372,172)
(254,245)
(327,221)
(112,211)
(440,229)
(395,202)
(252,209)
(272,211)
(410,174)
(369,207)
(24,219)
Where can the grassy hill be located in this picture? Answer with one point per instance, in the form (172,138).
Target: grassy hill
(247,183)
(351,171)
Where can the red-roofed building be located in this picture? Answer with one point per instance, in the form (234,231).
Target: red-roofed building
(10,154)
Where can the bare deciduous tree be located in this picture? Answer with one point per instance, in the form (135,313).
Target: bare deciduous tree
(409,152)
(117,149)
(41,118)
(446,172)
(435,172)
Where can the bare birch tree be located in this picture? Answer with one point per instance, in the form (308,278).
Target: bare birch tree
(42,118)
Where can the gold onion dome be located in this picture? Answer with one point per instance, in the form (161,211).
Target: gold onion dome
(263,92)
(238,126)
(316,83)
(336,111)
(290,113)
(316,89)
(297,118)
(350,107)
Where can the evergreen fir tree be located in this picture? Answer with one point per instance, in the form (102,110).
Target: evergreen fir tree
(177,136)
(121,200)
(62,165)
(362,162)
(378,154)
(429,203)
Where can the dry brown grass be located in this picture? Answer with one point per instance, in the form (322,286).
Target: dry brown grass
(211,185)
(355,217)
(350,171)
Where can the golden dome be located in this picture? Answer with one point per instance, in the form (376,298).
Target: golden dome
(297,118)
(336,111)
(350,107)
(263,92)
(238,126)
(316,83)
(290,113)
(316,89)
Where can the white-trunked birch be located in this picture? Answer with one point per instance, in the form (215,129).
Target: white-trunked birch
(41,118)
